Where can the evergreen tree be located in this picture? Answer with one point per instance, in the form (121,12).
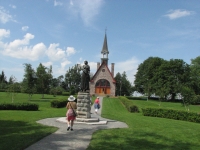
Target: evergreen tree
(29,81)
(44,77)
(123,86)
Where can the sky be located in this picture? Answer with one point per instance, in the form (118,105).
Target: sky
(63,33)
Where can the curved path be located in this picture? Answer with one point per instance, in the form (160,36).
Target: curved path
(78,139)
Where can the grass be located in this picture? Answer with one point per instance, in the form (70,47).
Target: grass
(19,129)
(144,132)
(165,105)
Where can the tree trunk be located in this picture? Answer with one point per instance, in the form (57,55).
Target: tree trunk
(173,96)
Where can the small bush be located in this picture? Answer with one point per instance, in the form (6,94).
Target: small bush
(59,103)
(19,106)
(128,104)
(65,93)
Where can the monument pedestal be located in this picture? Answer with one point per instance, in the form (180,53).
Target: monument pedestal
(84,111)
(83,105)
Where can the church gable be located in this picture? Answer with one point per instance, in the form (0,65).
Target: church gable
(103,72)
(103,82)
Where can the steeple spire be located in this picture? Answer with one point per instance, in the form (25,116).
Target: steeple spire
(105,46)
(104,50)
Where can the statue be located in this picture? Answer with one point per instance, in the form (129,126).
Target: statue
(85,78)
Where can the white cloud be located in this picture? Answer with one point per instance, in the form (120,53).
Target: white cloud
(129,66)
(93,66)
(71,2)
(70,51)
(25,28)
(13,6)
(5,16)
(47,64)
(86,9)
(56,3)
(54,53)
(178,13)
(18,42)
(4,33)
(20,48)
(65,63)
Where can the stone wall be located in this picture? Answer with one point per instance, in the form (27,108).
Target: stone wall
(83,105)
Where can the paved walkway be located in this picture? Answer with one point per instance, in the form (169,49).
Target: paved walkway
(78,139)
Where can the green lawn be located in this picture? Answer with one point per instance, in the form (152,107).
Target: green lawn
(19,129)
(145,132)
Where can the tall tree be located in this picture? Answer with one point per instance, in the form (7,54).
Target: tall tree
(29,81)
(118,79)
(144,77)
(73,78)
(13,87)
(170,77)
(123,86)
(195,75)
(3,80)
(44,76)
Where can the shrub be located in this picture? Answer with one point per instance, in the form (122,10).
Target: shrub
(172,114)
(59,103)
(128,104)
(19,106)
(196,99)
(65,93)
(136,98)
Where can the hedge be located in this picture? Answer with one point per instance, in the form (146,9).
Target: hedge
(172,114)
(19,106)
(128,104)
(136,98)
(59,103)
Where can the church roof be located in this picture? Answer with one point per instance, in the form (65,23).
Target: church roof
(99,69)
(105,46)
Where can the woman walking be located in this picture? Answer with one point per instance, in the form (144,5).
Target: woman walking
(71,113)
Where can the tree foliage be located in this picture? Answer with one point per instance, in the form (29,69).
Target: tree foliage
(195,75)
(144,78)
(73,79)
(29,81)
(123,86)
(13,87)
(161,77)
(3,80)
(44,76)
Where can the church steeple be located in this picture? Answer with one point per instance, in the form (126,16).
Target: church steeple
(105,51)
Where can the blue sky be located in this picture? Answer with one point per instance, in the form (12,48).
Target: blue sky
(63,33)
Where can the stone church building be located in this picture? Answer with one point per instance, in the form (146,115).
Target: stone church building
(103,82)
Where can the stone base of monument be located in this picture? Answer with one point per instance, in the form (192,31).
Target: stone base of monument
(83,111)
(92,121)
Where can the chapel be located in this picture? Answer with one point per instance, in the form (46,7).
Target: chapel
(103,82)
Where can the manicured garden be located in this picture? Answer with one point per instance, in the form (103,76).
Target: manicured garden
(146,132)
(19,128)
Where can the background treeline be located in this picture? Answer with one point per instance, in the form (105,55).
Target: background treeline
(169,80)
(41,81)
(155,77)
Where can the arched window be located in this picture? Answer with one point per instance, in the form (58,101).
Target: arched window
(102,83)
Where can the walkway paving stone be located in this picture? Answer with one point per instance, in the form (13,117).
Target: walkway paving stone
(78,139)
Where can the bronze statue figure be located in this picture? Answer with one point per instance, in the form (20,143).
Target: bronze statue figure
(85,78)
